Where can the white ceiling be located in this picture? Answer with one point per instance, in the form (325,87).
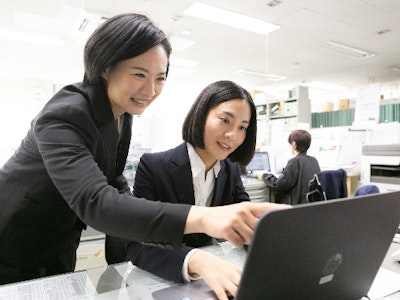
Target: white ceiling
(295,50)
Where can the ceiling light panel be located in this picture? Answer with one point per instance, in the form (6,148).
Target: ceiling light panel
(182,62)
(65,19)
(180,44)
(396,68)
(325,86)
(87,24)
(271,77)
(26,37)
(349,50)
(222,16)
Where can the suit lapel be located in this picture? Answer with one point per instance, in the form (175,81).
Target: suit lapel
(181,174)
(123,147)
(109,137)
(107,127)
(219,186)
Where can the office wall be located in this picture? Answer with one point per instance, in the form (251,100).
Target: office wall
(20,101)
(158,128)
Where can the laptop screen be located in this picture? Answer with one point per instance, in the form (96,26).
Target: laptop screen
(260,162)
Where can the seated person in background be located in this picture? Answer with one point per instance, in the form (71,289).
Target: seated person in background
(291,187)
(220,134)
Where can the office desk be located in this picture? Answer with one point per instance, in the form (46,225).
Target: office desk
(125,281)
(257,190)
(389,263)
(118,281)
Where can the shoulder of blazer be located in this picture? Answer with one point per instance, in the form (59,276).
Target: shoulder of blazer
(77,97)
(171,159)
(180,156)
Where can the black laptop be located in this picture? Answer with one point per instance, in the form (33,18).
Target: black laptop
(322,250)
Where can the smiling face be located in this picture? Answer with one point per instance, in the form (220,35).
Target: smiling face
(133,84)
(225,130)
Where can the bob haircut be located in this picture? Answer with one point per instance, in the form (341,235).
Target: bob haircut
(119,38)
(302,139)
(213,95)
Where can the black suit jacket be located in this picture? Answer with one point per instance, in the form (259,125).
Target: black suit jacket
(167,176)
(292,186)
(68,168)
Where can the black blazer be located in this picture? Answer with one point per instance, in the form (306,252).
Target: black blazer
(292,186)
(167,176)
(68,168)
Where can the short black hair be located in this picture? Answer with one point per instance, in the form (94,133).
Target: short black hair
(302,139)
(211,96)
(119,38)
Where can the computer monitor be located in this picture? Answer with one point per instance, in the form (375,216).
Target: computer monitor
(259,164)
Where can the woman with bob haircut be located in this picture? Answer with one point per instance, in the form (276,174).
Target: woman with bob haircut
(219,134)
(211,96)
(67,171)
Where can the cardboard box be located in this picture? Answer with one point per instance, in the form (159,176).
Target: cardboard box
(327,106)
(344,104)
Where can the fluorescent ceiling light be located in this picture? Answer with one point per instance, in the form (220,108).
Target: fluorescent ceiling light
(325,86)
(180,44)
(349,50)
(88,24)
(271,77)
(14,74)
(218,15)
(18,73)
(31,38)
(70,20)
(62,21)
(396,68)
(176,70)
(181,62)
(186,32)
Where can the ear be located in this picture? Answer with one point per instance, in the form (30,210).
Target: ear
(105,73)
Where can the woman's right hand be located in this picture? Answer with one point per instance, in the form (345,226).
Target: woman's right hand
(222,276)
(235,222)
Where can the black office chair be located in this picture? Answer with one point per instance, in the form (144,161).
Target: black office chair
(327,185)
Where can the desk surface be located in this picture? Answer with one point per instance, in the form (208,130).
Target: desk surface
(389,263)
(125,281)
(118,281)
